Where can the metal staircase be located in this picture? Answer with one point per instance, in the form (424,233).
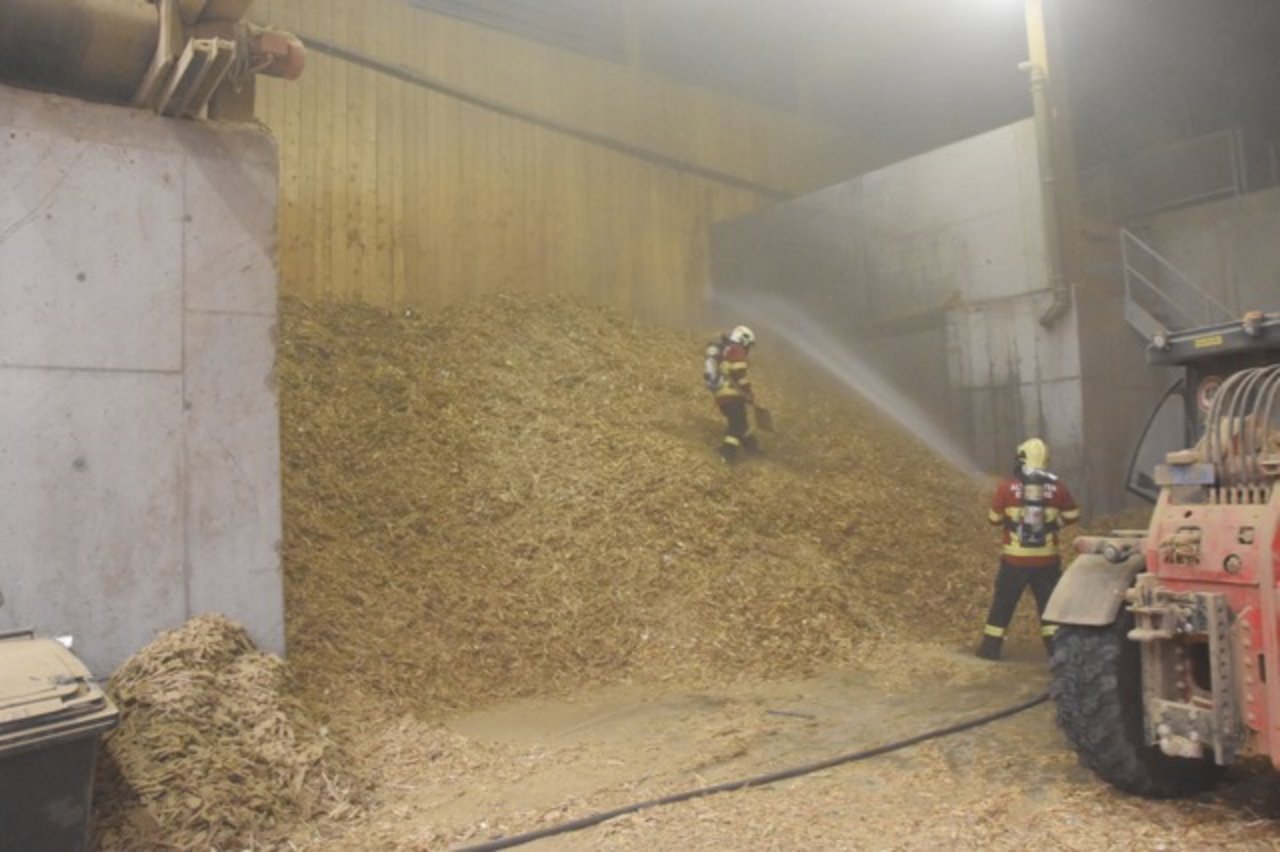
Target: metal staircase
(1158,297)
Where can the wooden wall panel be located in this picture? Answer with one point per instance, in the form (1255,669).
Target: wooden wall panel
(400,194)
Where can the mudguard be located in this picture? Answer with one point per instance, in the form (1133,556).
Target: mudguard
(1092,589)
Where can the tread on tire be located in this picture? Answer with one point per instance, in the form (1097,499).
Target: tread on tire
(1096,684)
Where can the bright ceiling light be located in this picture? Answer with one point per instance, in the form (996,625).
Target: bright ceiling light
(992,6)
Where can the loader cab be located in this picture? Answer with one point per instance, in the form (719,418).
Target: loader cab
(1208,355)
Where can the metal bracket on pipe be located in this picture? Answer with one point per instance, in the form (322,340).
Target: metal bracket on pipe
(184,72)
(200,70)
(168,45)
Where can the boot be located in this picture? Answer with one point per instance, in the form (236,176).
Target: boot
(1048,644)
(729,453)
(990,647)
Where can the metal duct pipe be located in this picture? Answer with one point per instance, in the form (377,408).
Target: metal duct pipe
(171,55)
(95,48)
(1050,161)
(1049,203)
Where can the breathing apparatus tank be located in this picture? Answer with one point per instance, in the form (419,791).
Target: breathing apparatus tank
(711,363)
(1033,528)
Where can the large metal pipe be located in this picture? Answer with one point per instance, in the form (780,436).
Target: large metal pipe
(98,49)
(1056,160)
(113,50)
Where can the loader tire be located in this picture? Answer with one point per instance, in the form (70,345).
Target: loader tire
(1098,690)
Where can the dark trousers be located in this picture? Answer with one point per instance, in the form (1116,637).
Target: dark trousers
(737,433)
(1010,581)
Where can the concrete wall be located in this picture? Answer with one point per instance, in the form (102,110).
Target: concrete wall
(945,247)
(1120,392)
(139,465)
(1228,248)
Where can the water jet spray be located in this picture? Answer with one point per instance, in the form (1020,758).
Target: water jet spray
(813,340)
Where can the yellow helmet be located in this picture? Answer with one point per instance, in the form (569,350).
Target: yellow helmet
(1033,453)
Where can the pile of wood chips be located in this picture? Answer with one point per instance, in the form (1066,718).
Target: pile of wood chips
(521,495)
(212,751)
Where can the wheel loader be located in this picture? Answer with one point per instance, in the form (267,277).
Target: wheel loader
(1166,665)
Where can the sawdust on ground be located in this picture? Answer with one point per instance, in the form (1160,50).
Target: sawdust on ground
(534,764)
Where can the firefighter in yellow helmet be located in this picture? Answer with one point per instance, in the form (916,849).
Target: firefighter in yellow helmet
(1030,507)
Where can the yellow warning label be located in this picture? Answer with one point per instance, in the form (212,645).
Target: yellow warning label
(1206,342)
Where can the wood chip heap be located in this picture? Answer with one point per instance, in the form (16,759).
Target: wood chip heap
(212,751)
(522,495)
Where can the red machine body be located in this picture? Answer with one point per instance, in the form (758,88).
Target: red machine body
(1166,668)
(1229,551)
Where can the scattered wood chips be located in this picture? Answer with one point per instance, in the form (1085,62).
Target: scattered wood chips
(212,751)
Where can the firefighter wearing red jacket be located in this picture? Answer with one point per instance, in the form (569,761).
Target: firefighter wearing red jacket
(725,373)
(1031,506)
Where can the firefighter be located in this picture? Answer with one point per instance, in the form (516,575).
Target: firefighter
(1031,506)
(725,373)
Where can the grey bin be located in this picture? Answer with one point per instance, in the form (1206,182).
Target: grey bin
(51,715)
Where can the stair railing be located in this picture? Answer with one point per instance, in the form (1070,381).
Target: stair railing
(1158,292)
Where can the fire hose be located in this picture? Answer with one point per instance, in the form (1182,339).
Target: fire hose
(756,781)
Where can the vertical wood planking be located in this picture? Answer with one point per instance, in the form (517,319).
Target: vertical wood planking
(295,203)
(427,121)
(397,195)
(369,271)
(381,43)
(396,106)
(357,100)
(321,78)
(339,177)
(303,262)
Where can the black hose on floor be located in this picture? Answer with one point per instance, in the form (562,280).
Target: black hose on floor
(757,781)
